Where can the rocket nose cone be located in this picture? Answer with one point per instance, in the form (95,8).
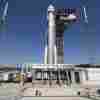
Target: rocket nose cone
(51,8)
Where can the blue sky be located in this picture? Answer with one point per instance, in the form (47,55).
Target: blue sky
(27,21)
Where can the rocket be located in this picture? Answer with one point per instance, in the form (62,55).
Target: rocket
(51,33)
(50,49)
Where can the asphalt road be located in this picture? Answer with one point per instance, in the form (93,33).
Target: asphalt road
(46,98)
(54,98)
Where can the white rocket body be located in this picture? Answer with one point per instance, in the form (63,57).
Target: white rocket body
(51,35)
(46,55)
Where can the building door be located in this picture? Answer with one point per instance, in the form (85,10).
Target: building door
(77,77)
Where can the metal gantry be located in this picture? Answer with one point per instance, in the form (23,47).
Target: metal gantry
(3,14)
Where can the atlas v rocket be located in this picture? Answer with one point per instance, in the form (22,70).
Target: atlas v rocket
(54,48)
(50,49)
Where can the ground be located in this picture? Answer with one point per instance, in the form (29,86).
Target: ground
(12,91)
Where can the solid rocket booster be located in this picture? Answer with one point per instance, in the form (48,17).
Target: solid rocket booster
(46,55)
(51,34)
(55,51)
